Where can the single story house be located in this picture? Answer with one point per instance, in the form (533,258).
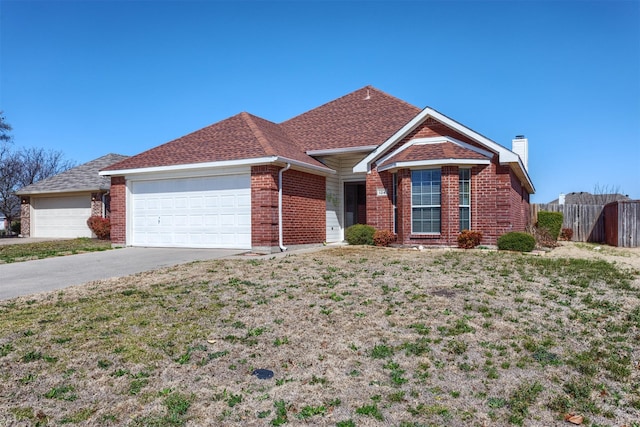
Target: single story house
(366,157)
(59,206)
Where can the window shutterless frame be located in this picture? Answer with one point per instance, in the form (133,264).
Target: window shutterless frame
(425,201)
(464,186)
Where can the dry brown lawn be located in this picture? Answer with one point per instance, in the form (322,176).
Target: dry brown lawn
(355,336)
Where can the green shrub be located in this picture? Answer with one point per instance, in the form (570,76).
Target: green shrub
(15,227)
(551,222)
(359,234)
(516,241)
(468,239)
(383,237)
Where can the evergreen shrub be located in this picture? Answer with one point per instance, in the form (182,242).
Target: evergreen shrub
(359,234)
(516,241)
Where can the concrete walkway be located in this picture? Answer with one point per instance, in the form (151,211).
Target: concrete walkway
(25,278)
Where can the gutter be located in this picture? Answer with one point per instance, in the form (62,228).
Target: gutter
(280,237)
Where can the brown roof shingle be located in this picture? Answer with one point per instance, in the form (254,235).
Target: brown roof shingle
(84,177)
(242,136)
(438,151)
(365,117)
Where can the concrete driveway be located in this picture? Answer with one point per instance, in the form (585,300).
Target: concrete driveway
(25,278)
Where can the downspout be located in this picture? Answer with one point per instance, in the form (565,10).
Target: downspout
(280,237)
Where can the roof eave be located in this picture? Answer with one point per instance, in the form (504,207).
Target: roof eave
(68,190)
(220,164)
(329,152)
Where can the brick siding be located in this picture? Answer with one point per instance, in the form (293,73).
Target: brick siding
(118,210)
(303,214)
(25,216)
(499,203)
(304,208)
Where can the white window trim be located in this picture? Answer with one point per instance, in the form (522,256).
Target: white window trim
(430,233)
(465,206)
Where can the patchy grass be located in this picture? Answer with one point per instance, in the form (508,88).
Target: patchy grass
(355,336)
(30,251)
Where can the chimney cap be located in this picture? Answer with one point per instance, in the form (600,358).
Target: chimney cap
(520,137)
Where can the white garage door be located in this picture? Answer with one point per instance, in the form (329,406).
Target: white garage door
(61,216)
(210,212)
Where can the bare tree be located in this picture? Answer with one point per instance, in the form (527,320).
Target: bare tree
(19,168)
(5,128)
(9,181)
(38,164)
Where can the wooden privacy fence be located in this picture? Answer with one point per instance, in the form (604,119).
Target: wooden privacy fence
(622,223)
(586,221)
(617,225)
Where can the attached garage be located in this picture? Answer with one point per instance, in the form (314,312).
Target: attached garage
(61,216)
(204,212)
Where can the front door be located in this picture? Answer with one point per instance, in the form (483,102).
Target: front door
(355,207)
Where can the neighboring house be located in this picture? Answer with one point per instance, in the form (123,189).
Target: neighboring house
(586,198)
(367,157)
(4,224)
(59,206)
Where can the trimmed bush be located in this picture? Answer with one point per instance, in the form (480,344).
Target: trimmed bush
(516,241)
(359,234)
(383,237)
(101,227)
(551,222)
(15,227)
(468,239)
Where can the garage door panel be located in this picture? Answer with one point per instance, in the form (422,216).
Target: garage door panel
(193,212)
(62,216)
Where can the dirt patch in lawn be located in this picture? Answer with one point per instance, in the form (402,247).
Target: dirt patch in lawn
(354,336)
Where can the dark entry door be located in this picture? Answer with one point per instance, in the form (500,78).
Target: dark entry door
(355,208)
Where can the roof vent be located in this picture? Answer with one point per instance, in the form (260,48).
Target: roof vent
(368,95)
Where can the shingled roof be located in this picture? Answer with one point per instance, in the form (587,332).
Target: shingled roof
(366,117)
(439,151)
(80,178)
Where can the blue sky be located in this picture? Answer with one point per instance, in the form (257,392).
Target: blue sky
(92,77)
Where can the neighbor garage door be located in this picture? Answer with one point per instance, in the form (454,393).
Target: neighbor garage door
(209,212)
(61,216)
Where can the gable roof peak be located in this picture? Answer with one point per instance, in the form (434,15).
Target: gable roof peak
(365,117)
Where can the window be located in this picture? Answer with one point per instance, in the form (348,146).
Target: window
(394,198)
(464,184)
(425,201)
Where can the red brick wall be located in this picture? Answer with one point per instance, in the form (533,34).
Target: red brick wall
(303,213)
(264,206)
(118,210)
(25,216)
(380,208)
(304,208)
(499,203)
